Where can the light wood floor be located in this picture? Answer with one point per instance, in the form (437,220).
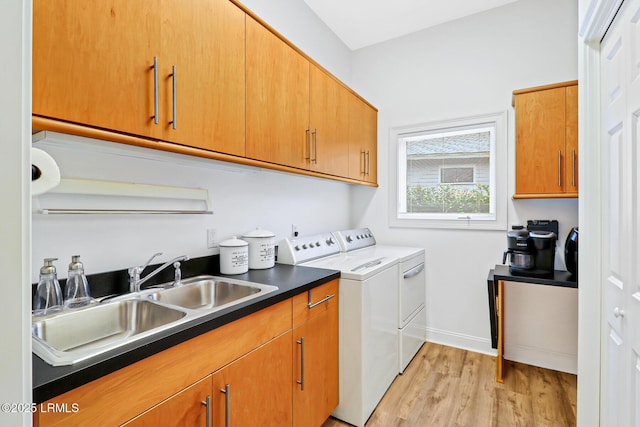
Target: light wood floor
(445,386)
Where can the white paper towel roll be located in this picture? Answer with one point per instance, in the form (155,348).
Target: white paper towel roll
(49,175)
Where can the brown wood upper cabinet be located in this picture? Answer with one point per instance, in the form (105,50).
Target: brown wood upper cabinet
(363,140)
(328,148)
(277,120)
(297,114)
(200,77)
(547,141)
(131,67)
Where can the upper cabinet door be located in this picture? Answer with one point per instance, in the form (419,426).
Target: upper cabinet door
(571,170)
(329,124)
(363,140)
(547,141)
(93,63)
(202,74)
(540,141)
(277,116)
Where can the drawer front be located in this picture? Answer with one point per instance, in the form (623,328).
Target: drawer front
(315,301)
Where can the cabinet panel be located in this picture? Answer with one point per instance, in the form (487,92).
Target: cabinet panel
(256,389)
(185,408)
(363,140)
(329,124)
(316,367)
(82,73)
(571,173)
(547,141)
(210,72)
(540,141)
(301,310)
(277,115)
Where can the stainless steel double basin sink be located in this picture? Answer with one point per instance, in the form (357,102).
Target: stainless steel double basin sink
(74,335)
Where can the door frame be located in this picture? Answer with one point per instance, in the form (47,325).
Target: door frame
(595,18)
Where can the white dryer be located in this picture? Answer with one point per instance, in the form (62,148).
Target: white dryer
(412,314)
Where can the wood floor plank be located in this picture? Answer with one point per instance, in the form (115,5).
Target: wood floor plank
(512,410)
(449,387)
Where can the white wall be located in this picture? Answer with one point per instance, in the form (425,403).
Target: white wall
(465,68)
(15,130)
(242,199)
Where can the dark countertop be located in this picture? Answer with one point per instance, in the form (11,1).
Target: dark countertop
(50,381)
(559,278)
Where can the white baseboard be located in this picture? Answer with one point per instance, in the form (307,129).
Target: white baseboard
(465,342)
(543,358)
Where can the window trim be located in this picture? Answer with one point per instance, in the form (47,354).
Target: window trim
(498,176)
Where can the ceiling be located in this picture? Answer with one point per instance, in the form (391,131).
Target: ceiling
(360,23)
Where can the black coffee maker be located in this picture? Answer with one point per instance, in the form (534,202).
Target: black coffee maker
(531,253)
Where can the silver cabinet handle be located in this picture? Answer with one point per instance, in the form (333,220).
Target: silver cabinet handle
(155,89)
(368,164)
(363,157)
(414,271)
(174,122)
(559,169)
(315,304)
(227,405)
(207,404)
(308,138)
(315,145)
(301,380)
(573,168)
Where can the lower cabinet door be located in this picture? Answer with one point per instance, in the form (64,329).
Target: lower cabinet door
(189,407)
(255,390)
(315,363)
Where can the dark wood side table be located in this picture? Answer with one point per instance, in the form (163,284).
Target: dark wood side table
(502,274)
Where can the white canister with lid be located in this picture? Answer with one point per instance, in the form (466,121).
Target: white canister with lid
(261,248)
(234,256)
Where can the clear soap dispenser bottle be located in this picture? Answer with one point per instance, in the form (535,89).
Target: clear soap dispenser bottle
(48,297)
(76,292)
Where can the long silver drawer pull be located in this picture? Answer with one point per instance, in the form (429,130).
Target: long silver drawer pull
(174,122)
(573,168)
(301,380)
(368,163)
(363,156)
(227,404)
(315,304)
(559,169)
(207,404)
(308,138)
(414,271)
(155,89)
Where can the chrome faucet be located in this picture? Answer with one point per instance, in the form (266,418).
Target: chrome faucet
(135,282)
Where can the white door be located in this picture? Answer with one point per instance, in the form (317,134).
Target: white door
(620,100)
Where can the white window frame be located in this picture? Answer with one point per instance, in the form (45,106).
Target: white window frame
(496,219)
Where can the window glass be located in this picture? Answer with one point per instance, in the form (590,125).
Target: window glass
(448,172)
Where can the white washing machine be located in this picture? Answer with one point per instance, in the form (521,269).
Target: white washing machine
(368,319)
(412,314)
